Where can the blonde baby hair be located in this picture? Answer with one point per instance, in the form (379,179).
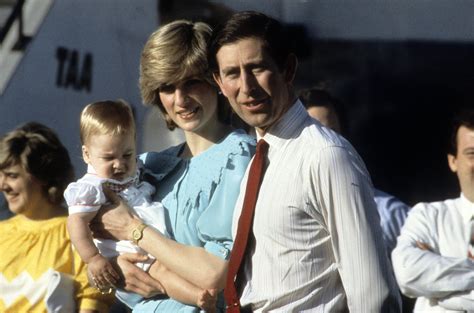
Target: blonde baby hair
(112,117)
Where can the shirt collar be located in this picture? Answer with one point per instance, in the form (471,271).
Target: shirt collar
(91,170)
(291,123)
(467,208)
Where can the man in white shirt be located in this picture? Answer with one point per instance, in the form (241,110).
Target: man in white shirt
(433,258)
(317,244)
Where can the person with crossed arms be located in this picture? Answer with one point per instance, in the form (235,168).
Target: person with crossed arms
(434,257)
(308,238)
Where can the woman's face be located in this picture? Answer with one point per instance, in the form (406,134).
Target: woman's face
(191,104)
(22,191)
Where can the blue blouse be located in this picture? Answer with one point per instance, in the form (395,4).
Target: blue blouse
(199,196)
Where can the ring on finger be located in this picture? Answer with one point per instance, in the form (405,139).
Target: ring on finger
(106,290)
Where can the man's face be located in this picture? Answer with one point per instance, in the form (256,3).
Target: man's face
(463,162)
(256,88)
(326,116)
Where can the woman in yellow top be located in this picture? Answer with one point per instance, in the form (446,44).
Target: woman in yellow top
(39,271)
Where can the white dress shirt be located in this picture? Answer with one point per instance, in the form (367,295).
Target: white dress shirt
(443,278)
(318,244)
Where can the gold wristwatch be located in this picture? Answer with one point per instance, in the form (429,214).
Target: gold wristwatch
(137,233)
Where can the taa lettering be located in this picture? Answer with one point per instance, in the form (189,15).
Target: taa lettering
(71,72)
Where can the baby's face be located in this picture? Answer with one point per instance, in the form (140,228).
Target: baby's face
(112,156)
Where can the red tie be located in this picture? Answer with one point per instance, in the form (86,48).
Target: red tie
(245,226)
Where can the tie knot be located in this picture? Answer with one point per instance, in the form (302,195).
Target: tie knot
(262,146)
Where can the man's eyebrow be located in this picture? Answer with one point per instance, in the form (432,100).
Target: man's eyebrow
(228,69)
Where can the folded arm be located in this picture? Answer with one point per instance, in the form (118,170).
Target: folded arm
(419,268)
(458,301)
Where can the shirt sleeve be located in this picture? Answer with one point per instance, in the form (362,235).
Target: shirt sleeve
(459,301)
(393,213)
(82,197)
(87,297)
(423,273)
(346,198)
(215,224)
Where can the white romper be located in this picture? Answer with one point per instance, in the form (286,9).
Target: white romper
(87,195)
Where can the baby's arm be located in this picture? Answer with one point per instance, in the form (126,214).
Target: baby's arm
(100,268)
(81,236)
(182,290)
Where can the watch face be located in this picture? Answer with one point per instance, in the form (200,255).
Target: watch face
(136,234)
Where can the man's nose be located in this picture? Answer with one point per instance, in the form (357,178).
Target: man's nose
(248,83)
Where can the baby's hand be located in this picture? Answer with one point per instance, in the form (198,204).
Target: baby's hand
(207,300)
(102,272)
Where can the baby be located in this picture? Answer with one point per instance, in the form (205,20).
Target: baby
(107,132)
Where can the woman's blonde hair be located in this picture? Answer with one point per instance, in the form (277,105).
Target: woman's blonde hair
(38,150)
(174,52)
(112,117)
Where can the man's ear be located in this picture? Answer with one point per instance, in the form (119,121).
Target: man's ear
(452,163)
(217,79)
(85,154)
(290,68)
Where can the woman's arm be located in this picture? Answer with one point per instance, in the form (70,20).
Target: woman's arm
(194,264)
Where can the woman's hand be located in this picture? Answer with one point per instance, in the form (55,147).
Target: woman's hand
(136,280)
(115,220)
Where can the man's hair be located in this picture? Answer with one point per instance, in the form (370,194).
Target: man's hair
(106,117)
(251,24)
(319,97)
(38,150)
(463,117)
(174,52)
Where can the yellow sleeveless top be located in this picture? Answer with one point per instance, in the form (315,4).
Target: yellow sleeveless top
(29,252)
